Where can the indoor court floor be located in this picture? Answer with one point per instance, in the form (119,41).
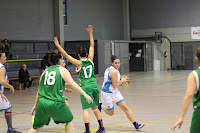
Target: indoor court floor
(154,97)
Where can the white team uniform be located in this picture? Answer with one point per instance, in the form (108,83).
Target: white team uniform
(3,104)
(109,94)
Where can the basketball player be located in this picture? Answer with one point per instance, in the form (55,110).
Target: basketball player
(110,93)
(192,94)
(87,80)
(51,103)
(4,103)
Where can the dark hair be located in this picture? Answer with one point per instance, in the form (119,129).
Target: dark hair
(4,40)
(83,51)
(46,60)
(1,51)
(198,53)
(113,57)
(54,56)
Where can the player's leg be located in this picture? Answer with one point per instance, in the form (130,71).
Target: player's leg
(85,107)
(5,105)
(41,116)
(129,115)
(126,109)
(108,111)
(86,119)
(67,103)
(32,130)
(69,127)
(99,119)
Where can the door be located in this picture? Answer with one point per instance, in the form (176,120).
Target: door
(136,56)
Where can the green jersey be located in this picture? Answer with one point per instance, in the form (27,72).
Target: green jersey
(196,97)
(52,84)
(86,73)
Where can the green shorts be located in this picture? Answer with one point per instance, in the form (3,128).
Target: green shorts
(47,109)
(195,127)
(93,92)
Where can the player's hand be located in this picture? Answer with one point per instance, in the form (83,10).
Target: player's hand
(88,98)
(178,123)
(68,90)
(33,110)
(89,29)
(124,79)
(12,90)
(3,97)
(55,40)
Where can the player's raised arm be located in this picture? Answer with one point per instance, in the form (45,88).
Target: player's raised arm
(91,49)
(64,53)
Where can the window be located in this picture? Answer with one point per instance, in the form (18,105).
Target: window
(65,11)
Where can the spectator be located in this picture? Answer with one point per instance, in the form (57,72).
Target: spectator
(24,76)
(2,46)
(7,49)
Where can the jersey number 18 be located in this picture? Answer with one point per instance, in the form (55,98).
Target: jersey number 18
(50,78)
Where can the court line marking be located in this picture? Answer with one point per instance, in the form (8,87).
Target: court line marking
(92,116)
(122,125)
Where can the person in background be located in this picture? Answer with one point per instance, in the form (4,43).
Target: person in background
(24,77)
(7,49)
(2,46)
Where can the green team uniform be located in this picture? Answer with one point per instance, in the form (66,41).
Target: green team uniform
(195,127)
(51,101)
(88,83)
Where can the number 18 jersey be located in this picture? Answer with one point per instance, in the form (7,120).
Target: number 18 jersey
(86,73)
(52,84)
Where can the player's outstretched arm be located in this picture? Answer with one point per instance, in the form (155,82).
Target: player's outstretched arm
(68,79)
(91,49)
(3,82)
(191,88)
(64,53)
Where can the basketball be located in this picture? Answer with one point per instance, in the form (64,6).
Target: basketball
(125,84)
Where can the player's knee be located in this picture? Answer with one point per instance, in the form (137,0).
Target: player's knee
(94,108)
(111,113)
(86,110)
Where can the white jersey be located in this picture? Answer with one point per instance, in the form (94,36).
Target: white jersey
(3,104)
(6,77)
(107,85)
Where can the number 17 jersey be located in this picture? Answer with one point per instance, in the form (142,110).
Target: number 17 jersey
(86,73)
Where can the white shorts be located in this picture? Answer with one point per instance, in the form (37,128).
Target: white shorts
(109,99)
(4,105)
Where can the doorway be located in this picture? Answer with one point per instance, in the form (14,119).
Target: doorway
(136,56)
